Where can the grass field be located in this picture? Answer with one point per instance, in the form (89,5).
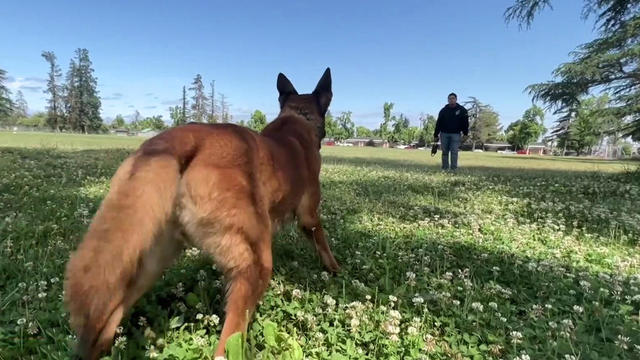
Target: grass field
(512,258)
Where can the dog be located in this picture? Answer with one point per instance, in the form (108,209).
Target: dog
(221,187)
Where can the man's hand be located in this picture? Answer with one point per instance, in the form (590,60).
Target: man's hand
(436,139)
(465,138)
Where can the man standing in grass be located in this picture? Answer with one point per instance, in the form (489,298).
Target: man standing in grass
(453,119)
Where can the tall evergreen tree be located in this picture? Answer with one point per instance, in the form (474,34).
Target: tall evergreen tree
(21,109)
(55,90)
(6,104)
(485,122)
(82,101)
(200,100)
(212,118)
(184,105)
(224,109)
(71,98)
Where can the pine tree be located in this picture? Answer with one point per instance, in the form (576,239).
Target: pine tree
(484,122)
(54,89)
(21,109)
(200,100)
(212,118)
(184,105)
(82,101)
(6,104)
(224,109)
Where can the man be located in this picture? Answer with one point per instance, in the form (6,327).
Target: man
(453,119)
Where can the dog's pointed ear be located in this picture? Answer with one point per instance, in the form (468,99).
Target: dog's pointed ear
(285,89)
(323,91)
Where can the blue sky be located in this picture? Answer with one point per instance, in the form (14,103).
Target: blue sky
(412,53)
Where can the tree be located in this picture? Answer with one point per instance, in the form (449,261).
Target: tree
(200,100)
(175,113)
(399,131)
(485,122)
(363,132)
(524,131)
(331,126)
(608,64)
(589,125)
(427,128)
(410,135)
(224,109)
(346,127)
(258,121)
(55,91)
(387,120)
(21,108)
(38,120)
(534,114)
(118,122)
(212,118)
(82,101)
(6,104)
(154,123)
(184,105)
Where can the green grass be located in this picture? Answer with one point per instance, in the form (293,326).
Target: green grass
(513,255)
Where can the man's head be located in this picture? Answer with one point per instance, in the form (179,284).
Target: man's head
(452,99)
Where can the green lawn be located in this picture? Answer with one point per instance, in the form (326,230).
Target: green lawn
(513,255)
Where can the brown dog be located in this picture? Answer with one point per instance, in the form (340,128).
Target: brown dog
(221,187)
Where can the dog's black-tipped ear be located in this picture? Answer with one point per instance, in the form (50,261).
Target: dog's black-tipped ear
(285,89)
(323,91)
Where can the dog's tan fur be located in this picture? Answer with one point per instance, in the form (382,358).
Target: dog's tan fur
(222,187)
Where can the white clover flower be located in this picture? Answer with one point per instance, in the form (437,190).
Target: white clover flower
(477,307)
(296,293)
(516,337)
(329,300)
(395,314)
(417,300)
(622,342)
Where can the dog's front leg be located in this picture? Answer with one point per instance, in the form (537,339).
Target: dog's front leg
(311,226)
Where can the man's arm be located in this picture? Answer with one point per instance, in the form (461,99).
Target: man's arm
(465,122)
(438,125)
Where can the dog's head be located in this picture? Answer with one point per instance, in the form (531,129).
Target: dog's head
(311,106)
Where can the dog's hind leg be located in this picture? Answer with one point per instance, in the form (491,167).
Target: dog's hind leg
(247,265)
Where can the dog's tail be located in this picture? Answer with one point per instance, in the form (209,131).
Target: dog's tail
(102,273)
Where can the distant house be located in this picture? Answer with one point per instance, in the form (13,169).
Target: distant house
(536,149)
(357,142)
(496,147)
(120,132)
(363,141)
(148,133)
